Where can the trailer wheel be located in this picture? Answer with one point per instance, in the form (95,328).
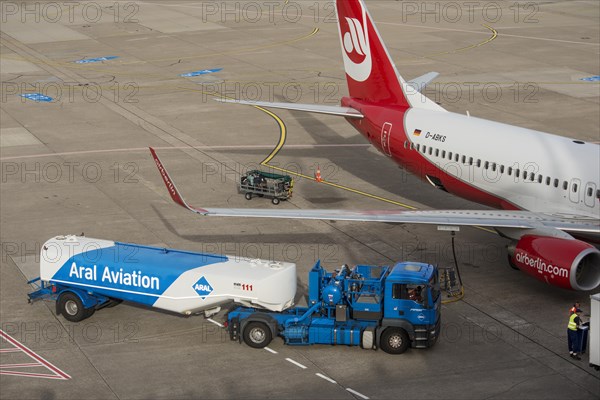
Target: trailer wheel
(394,341)
(257,335)
(275,200)
(71,307)
(248,196)
(113,303)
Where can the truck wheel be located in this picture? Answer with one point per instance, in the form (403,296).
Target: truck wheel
(275,200)
(257,335)
(394,341)
(248,196)
(71,307)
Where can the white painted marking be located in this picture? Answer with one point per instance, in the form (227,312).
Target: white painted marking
(135,39)
(270,350)
(325,377)
(296,363)
(362,396)
(215,322)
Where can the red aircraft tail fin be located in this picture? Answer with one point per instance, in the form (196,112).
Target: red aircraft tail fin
(370,71)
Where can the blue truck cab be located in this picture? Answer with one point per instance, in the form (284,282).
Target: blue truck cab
(387,307)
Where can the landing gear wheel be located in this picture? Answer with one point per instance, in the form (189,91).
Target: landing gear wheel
(394,341)
(275,200)
(248,196)
(512,264)
(71,307)
(257,335)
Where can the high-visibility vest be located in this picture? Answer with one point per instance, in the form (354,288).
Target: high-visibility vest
(572,325)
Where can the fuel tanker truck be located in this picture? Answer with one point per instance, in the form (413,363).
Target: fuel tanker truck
(84,275)
(388,307)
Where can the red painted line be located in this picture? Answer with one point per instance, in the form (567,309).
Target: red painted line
(24,365)
(13,350)
(33,355)
(33,375)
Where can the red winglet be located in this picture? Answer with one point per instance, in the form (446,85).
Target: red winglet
(175,195)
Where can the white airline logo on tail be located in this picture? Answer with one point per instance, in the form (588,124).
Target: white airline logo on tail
(356,45)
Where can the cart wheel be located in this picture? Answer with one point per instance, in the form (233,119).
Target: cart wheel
(275,200)
(248,196)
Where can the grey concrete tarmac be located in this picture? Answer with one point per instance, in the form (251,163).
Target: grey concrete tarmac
(80,164)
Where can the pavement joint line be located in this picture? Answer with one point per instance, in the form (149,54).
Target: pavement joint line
(270,350)
(320,375)
(215,322)
(165,148)
(296,363)
(354,392)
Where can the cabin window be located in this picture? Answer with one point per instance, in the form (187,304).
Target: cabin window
(517,172)
(532,177)
(418,147)
(486,165)
(437,152)
(406,144)
(444,154)
(575,187)
(450,155)
(510,171)
(464,159)
(494,166)
(590,192)
(430,150)
(598,194)
(412,146)
(548,181)
(502,169)
(478,163)
(540,178)
(556,182)
(470,160)
(424,149)
(456,157)
(565,185)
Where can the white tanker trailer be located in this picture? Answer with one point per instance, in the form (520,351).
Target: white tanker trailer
(83,275)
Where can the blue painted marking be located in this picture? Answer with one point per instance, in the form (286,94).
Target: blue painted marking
(94,60)
(202,72)
(595,78)
(131,272)
(202,287)
(37,97)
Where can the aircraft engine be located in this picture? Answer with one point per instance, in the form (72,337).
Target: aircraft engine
(566,263)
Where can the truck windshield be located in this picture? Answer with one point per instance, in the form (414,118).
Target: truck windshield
(435,288)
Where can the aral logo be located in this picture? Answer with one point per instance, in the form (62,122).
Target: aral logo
(203,288)
(357,49)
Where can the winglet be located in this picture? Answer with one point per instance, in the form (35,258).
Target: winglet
(172,189)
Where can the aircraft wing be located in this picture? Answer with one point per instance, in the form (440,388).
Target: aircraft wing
(347,112)
(420,83)
(484,218)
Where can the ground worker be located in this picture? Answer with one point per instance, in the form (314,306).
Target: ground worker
(573,335)
(574,308)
